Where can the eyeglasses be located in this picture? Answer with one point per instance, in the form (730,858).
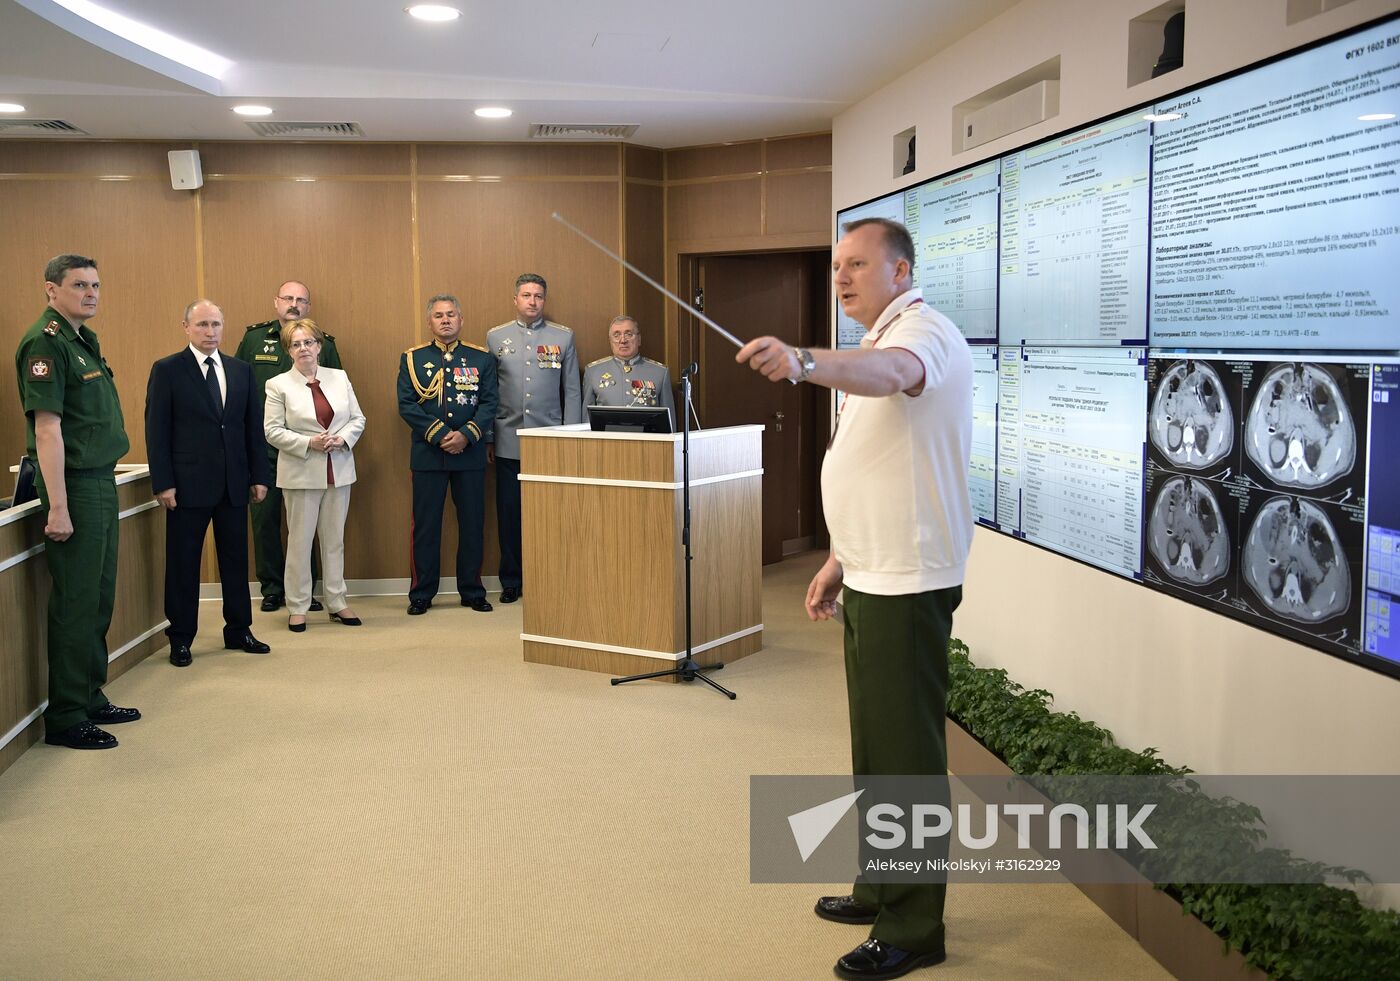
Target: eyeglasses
(304,342)
(627,336)
(295,299)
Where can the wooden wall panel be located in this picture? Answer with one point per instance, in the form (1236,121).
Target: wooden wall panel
(121,224)
(713,161)
(305,159)
(646,249)
(644,162)
(715,210)
(798,151)
(519,159)
(86,159)
(797,203)
(351,243)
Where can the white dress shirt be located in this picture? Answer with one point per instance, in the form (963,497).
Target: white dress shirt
(218,370)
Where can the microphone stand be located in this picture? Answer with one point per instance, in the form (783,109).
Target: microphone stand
(687,670)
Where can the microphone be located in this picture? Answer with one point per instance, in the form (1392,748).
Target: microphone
(691,370)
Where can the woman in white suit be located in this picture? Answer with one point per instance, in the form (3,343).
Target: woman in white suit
(314,420)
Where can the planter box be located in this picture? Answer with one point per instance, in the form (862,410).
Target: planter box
(1180,943)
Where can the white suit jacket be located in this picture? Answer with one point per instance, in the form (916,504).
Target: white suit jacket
(289,420)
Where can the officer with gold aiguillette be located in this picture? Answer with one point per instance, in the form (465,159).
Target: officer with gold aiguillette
(626,378)
(262,348)
(76,435)
(447,395)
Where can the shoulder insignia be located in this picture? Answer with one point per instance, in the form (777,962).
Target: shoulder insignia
(599,361)
(550,323)
(477,347)
(416,347)
(262,326)
(328,335)
(51,328)
(498,327)
(649,361)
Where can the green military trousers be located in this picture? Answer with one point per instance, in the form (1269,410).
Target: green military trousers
(897,684)
(269,561)
(84,574)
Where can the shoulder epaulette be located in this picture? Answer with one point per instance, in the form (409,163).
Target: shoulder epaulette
(417,347)
(599,361)
(262,326)
(477,347)
(550,323)
(328,335)
(499,327)
(51,328)
(649,361)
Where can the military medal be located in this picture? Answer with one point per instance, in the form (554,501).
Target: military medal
(627,368)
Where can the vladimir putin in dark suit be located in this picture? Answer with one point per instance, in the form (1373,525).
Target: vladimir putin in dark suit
(204,440)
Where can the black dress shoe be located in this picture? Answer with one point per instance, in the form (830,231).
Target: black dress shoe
(845,909)
(110,715)
(512,593)
(315,606)
(348,621)
(271,604)
(296,628)
(416,608)
(84,735)
(479,605)
(180,655)
(875,959)
(246,643)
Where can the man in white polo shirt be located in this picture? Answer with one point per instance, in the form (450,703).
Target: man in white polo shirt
(894,488)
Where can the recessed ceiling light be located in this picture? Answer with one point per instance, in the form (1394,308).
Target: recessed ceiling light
(252,110)
(1161,117)
(493,112)
(1376,117)
(436,13)
(11,107)
(152,39)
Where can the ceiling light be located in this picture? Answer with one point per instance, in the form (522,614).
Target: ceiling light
(1161,117)
(252,110)
(152,39)
(1376,117)
(493,112)
(11,107)
(435,13)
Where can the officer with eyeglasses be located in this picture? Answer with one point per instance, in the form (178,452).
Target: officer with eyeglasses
(261,347)
(625,377)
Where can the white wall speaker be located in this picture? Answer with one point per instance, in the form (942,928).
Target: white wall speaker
(185,172)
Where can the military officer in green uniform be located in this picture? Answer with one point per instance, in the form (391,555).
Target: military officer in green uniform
(261,347)
(76,435)
(447,395)
(537,366)
(627,378)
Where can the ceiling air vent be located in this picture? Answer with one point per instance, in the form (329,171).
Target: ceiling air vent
(303,131)
(39,127)
(581,131)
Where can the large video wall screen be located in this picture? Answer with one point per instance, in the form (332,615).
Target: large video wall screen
(1185,326)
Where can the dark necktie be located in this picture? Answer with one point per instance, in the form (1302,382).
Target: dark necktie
(211,378)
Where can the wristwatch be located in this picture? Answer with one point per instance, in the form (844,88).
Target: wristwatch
(807,363)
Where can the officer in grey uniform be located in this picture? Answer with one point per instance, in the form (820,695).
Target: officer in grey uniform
(627,378)
(537,372)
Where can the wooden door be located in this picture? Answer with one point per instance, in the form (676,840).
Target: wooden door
(783,294)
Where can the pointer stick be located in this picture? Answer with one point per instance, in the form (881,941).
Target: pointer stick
(647,279)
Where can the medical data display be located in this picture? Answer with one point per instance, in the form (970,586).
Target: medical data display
(1185,328)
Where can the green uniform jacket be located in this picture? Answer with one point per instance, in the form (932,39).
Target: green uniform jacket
(62,370)
(261,347)
(442,390)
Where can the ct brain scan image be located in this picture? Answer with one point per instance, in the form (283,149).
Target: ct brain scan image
(1299,430)
(1190,422)
(1294,562)
(1186,532)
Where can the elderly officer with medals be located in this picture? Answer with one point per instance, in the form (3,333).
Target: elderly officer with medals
(447,395)
(538,370)
(262,348)
(76,436)
(627,378)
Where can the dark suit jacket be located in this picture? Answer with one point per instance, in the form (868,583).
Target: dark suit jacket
(190,447)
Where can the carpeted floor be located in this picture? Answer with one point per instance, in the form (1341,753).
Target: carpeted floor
(411,800)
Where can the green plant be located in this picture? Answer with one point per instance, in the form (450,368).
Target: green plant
(1307,931)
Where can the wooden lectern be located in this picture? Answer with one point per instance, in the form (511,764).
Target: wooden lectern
(603,559)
